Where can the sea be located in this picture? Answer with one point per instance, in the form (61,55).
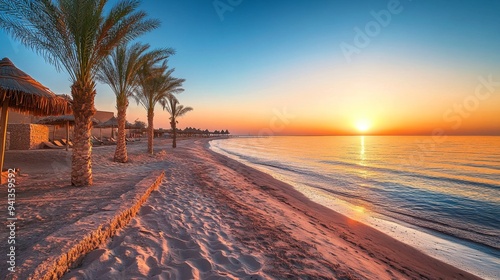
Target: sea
(440,195)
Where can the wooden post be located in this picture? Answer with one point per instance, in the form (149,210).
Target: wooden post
(3,134)
(67,135)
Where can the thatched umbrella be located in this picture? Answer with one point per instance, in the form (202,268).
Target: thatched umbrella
(134,126)
(67,120)
(109,123)
(129,125)
(21,93)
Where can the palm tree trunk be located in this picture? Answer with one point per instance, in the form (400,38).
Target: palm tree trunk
(174,138)
(121,144)
(83,110)
(151,131)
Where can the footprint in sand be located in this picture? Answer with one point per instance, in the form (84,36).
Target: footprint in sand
(222,260)
(250,263)
(186,271)
(202,264)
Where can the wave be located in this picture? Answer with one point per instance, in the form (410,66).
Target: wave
(427,197)
(407,173)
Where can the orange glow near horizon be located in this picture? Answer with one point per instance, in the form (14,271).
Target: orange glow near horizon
(266,124)
(365,99)
(281,76)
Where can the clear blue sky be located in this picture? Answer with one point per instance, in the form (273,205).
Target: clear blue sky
(268,55)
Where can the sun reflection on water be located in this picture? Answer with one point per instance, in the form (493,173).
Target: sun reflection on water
(362,150)
(359,209)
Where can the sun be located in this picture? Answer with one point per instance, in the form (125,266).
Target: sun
(362,125)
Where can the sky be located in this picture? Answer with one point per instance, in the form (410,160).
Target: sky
(321,67)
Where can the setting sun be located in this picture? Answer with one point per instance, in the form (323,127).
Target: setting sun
(362,125)
(282,139)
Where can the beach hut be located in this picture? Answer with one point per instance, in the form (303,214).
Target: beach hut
(66,120)
(22,93)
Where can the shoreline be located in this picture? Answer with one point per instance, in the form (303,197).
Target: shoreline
(258,227)
(434,244)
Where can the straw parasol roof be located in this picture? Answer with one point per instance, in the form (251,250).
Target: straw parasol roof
(21,93)
(26,95)
(113,122)
(67,120)
(129,125)
(109,123)
(62,120)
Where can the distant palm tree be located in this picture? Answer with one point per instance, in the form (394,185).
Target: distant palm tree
(176,110)
(155,83)
(119,71)
(78,36)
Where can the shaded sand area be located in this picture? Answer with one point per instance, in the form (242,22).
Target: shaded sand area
(46,204)
(214,218)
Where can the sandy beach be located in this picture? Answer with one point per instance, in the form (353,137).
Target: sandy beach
(314,140)
(213,218)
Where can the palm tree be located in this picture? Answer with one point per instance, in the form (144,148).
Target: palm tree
(75,35)
(119,71)
(155,83)
(176,110)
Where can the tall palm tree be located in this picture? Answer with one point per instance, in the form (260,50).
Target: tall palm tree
(155,83)
(119,71)
(75,35)
(176,110)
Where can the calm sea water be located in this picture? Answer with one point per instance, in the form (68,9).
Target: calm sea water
(451,188)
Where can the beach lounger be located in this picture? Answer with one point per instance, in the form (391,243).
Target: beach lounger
(64,141)
(58,143)
(50,145)
(109,141)
(95,141)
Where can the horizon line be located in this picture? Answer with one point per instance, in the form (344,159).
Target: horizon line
(301,135)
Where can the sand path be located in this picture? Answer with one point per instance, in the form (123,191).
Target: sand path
(179,234)
(214,218)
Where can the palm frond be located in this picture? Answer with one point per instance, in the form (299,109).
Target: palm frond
(72,34)
(181,110)
(120,69)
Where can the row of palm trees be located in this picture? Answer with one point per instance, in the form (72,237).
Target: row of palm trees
(143,74)
(93,45)
(176,110)
(197,132)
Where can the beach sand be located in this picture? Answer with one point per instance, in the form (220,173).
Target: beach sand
(214,218)
(46,202)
